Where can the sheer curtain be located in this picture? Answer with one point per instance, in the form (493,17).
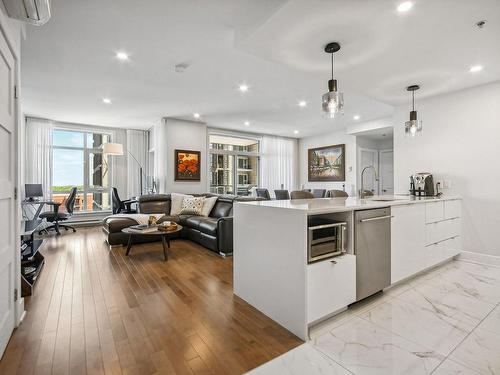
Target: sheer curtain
(137,145)
(160,156)
(39,153)
(279,163)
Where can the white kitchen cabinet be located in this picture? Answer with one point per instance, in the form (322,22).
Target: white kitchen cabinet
(408,253)
(441,251)
(452,209)
(331,286)
(441,230)
(434,211)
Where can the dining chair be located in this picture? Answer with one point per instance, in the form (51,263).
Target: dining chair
(319,193)
(300,194)
(282,195)
(337,194)
(263,193)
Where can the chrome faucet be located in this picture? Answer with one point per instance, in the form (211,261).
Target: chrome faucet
(362,190)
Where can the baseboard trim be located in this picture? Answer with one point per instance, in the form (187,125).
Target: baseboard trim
(490,260)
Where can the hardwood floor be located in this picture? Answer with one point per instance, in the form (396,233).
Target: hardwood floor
(96,311)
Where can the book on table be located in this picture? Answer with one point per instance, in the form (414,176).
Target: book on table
(143,228)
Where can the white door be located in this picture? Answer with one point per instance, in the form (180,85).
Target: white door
(368,158)
(386,163)
(7,184)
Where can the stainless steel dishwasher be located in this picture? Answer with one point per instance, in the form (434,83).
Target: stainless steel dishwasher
(372,244)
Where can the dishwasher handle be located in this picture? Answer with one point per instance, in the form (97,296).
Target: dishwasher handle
(376,218)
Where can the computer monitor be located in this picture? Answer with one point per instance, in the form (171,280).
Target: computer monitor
(33,191)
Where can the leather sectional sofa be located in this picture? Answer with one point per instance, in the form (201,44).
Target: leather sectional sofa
(215,232)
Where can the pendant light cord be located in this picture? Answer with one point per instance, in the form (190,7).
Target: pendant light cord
(332,65)
(413,99)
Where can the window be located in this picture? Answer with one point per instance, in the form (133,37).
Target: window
(78,162)
(234,164)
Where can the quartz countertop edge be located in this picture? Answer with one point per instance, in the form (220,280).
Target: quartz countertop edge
(329,205)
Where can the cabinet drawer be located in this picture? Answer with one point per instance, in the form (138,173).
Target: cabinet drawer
(434,211)
(452,209)
(442,251)
(330,286)
(441,230)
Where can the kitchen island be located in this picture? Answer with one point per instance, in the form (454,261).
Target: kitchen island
(271,269)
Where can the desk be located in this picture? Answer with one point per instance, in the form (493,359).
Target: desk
(40,204)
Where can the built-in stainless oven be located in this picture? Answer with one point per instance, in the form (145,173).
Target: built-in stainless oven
(326,239)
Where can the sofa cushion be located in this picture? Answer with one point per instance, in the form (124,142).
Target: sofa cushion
(192,221)
(155,204)
(208,225)
(177,200)
(116,224)
(222,208)
(192,206)
(208,205)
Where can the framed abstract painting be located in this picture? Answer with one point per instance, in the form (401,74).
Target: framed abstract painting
(326,163)
(187,165)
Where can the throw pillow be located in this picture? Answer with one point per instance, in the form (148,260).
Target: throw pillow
(208,204)
(176,206)
(192,206)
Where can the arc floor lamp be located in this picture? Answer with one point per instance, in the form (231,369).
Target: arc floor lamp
(116,149)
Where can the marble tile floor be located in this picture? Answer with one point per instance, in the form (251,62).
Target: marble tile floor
(445,321)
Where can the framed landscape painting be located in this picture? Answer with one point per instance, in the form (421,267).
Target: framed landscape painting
(326,163)
(187,165)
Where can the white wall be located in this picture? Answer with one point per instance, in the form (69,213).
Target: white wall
(184,135)
(333,138)
(460,143)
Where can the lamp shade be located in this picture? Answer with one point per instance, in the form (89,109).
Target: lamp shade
(112,149)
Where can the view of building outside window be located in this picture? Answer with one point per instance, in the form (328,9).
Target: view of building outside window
(78,162)
(233,164)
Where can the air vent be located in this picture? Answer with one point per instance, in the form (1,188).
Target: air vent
(35,12)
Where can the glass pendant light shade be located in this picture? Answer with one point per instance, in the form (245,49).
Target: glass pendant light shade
(413,127)
(333,101)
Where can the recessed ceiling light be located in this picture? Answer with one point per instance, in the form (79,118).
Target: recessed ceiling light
(356,117)
(302,103)
(243,87)
(295,132)
(196,115)
(122,56)
(475,68)
(106,100)
(246,123)
(405,6)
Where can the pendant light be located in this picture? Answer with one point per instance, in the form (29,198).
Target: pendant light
(413,127)
(332,101)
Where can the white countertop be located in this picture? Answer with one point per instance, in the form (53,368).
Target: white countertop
(327,205)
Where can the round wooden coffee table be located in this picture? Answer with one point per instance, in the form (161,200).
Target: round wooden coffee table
(165,238)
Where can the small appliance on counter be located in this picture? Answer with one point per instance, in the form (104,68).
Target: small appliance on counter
(422,185)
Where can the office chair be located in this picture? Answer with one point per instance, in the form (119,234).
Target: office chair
(120,206)
(281,195)
(263,193)
(55,217)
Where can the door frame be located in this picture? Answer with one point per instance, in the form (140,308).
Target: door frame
(19,311)
(360,169)
(379,166)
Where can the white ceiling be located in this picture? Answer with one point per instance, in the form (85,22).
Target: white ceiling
(379,134)
(275,46)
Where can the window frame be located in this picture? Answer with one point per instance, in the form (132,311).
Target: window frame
(86,175)
(234,155)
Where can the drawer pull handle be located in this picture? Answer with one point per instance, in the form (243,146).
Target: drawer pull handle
(333,261)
